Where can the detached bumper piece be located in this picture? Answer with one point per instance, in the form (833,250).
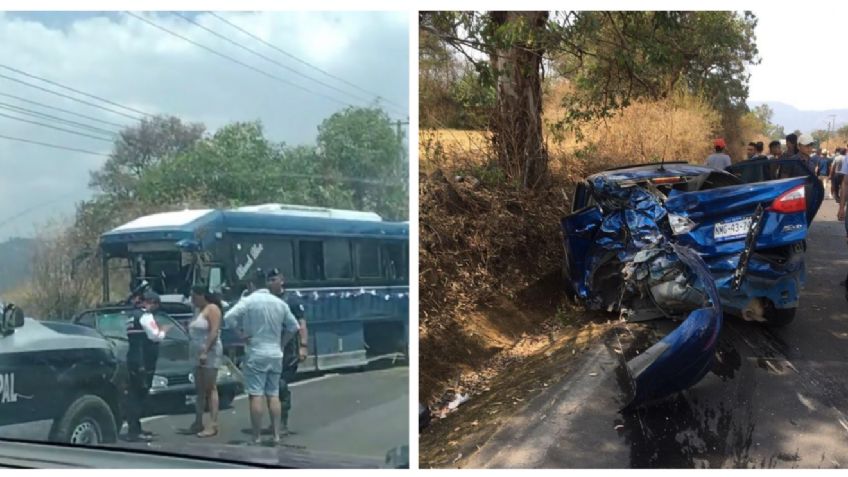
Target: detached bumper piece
(634,268)
(677,282)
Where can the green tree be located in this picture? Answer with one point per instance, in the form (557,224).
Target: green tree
(238,166)
(820,136)
(764,114)
(139,147)
(611,58)
(361,147)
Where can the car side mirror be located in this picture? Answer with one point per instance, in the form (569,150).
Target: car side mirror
(13,317)
(188,245)
(398,458)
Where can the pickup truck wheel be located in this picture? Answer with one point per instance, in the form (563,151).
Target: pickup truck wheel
(778,317)
(87,421)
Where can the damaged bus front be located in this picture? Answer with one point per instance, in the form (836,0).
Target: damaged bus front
(171,251)
(347,269)
(687,243)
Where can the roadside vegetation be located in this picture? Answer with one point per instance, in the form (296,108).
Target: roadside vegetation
(515,108)
(163,164)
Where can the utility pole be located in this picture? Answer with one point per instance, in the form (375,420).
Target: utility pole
(400,168)
(830,125)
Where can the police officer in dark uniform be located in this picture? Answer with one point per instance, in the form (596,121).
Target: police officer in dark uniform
(295,350)
(143,337)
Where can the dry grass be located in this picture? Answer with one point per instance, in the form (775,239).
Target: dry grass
(490,254)
(677,128)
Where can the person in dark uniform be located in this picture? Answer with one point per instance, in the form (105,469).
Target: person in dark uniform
(143,337)
(295,351)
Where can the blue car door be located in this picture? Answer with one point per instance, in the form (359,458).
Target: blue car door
(578,230)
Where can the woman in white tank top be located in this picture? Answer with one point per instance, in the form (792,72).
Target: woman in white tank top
(206,349)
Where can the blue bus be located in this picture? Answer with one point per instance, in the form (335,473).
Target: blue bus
(349,269)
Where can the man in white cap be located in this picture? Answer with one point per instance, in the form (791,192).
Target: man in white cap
(805,148)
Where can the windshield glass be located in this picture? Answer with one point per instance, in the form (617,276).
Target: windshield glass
(146,174)
(114,325)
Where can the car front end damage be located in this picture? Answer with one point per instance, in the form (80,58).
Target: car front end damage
(688,244)
(631,267)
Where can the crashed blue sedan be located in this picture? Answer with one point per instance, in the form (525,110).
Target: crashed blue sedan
(691,244)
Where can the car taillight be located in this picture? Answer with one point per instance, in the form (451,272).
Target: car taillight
(790,202)
(666,180)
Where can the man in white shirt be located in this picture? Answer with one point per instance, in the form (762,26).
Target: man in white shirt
(263,319)
(836,173)
(843,195)
(718,160)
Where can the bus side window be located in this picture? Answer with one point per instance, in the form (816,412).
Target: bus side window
(337,259)
(394,264)
(311,254)
(368,259)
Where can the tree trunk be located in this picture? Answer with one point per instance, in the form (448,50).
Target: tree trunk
(517,123)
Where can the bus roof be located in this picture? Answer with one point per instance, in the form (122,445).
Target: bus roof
(309,211)
(197,225)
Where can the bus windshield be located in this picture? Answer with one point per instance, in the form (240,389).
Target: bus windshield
(166,272)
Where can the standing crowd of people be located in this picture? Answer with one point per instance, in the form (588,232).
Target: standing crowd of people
(830,169)
(275,333)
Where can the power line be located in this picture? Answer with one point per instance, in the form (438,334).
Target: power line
(10,219)
(304,62)
(282,174)
(238,62)
(54,146)
(56,128)
(83,93)
(266,58)
(47,106)
(134,118)
(40,115)
(337,178)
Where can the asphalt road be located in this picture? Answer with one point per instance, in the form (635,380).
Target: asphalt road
(354,414)
(776,398)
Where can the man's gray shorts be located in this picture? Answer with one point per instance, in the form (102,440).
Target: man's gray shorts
(262,376)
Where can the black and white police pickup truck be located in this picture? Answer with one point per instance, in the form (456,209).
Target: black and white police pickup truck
(59,382)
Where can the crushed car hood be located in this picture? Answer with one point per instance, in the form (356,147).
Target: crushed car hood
(683,242)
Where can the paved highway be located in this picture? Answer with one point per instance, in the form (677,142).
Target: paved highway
(362,414)
(776,398)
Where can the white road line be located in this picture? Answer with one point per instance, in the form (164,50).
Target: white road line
(298,383)
(312,380)
(241,397)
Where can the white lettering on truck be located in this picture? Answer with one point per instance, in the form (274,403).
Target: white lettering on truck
(255,251)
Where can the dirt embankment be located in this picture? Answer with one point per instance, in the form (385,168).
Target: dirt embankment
(489,277)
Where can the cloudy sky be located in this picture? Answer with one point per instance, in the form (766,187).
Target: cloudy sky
(124,60)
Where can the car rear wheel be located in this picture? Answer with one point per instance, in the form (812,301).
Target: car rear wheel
(87,421)
(778,317)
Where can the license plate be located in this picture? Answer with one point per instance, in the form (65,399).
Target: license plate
(191,400)
(732,229)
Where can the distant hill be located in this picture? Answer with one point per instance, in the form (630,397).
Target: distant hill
(15,262)
(792,118)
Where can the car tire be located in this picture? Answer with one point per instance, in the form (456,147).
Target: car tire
(87,421)
(778,317)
